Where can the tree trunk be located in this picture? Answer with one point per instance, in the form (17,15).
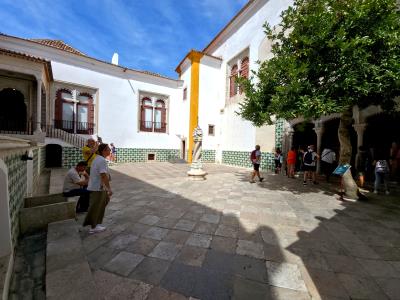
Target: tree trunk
(346,120)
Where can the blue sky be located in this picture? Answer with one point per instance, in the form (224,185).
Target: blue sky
(151,35)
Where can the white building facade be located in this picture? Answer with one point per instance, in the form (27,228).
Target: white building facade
(57,96)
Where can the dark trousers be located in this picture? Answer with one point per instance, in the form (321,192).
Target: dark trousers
(327,169)
(83,202)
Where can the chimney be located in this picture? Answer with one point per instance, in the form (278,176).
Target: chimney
(114,59)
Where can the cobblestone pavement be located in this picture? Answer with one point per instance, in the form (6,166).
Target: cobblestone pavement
(224,238)
(28,279)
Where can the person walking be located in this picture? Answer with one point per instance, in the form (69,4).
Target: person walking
(362,164)
(291,162)
(310,165)
(75,183)
(278,160)
(113,154)
(328,159)
(100,190)
(381,173)
(255,158)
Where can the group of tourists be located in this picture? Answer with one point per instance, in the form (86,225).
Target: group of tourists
(370,164)
(90,179)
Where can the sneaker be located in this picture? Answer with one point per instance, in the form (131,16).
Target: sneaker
(387,193)
(261,179)
(304,182)
(375,192)
(97,229)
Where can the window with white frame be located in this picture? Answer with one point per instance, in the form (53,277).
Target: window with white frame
(74,111)
(211,129)
(153,114)
(238,67)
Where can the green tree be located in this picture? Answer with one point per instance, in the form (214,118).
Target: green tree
(328,56)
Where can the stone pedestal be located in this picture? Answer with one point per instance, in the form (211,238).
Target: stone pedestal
(197,174)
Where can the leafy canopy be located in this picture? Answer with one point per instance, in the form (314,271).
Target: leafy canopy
(328,55)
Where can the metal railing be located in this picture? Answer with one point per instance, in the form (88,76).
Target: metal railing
(15,127)
(150,126)
(65,130)
(74,126)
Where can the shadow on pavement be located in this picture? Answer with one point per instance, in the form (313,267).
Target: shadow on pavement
(170,238)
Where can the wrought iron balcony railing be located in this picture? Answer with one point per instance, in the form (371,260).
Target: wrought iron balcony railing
(74,126)
(150,126)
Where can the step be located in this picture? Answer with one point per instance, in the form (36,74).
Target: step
(68,275)
(57,176)
(6,265)
(39,211)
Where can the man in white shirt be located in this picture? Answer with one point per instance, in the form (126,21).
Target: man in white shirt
(255,158)
(74,185)
(328,159)
(100,190)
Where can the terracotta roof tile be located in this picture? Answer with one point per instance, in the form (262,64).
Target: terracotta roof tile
(65,47)
(59,45)
(30,58)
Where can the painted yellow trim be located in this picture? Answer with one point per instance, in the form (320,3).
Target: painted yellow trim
(194,57)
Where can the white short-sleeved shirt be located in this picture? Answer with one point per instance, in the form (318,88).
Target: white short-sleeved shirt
(71,179)
(99,166)
(258,157)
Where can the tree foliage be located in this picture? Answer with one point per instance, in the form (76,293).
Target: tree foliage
(328,55)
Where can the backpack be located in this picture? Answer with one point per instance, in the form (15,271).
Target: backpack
(253,156)
(308,158)
(381,166)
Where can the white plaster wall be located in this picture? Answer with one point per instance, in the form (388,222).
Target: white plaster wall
(211,101)
(118,107)
(185,106)
(236,133)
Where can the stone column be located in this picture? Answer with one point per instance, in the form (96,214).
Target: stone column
(290,137)
(38,106)
(319,130)
(360,128)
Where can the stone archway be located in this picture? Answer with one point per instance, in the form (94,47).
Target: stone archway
(382,129)
(330,138)
(13,113)
(304,135)
(5,225)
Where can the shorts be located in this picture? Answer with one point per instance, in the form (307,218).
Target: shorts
(309,168)
(278,164)
(256,167)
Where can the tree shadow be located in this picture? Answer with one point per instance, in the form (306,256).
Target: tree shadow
(279,182)
(224,239)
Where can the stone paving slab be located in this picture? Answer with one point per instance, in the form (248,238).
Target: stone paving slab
(224,238)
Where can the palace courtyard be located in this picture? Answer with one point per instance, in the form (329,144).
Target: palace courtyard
(224,238)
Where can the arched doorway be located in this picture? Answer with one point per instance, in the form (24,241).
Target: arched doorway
(330,138)
(304,135)
(53,156)
(13,113)
(382,129)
